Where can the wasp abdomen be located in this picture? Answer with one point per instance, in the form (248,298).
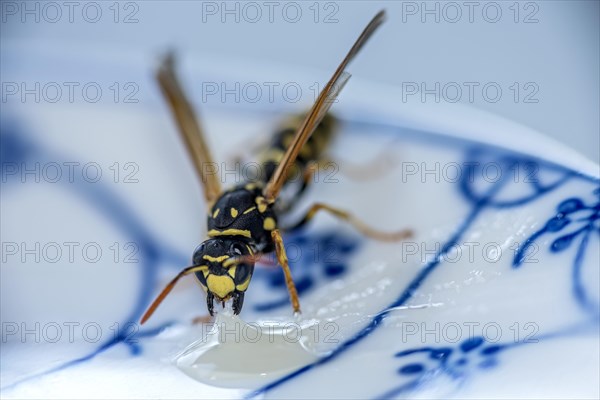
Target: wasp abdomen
(312,150)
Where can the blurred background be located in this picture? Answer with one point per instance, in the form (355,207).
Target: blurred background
(534,62)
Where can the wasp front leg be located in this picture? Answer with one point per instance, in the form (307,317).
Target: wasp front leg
(238,302)
(210,303)
(283,261)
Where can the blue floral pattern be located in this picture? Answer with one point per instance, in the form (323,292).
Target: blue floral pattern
(482,194)
(583,220)
(454,363)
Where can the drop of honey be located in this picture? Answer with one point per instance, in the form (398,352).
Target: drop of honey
(244,355)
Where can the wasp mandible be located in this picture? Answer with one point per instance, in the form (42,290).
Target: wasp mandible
(243,221)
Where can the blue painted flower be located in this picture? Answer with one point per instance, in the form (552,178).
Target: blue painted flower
(582,220)
(454,363)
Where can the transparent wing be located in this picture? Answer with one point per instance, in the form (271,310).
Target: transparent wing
(318,111)
(189,129)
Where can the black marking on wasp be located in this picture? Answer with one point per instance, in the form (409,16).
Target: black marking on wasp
(242,222)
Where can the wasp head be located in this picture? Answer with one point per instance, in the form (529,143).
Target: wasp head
(230,264)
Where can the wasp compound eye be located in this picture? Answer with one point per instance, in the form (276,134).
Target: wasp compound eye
(197,257)
(236,249)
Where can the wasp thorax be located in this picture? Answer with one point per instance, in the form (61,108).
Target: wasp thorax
(229,265)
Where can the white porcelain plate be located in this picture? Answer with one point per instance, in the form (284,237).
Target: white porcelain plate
(495,295)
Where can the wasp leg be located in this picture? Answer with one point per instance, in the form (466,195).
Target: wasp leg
(204,319)
(238,302)
(283,261)
(210,299)
(359,225)
(311,168)
(376,168)
(373,169)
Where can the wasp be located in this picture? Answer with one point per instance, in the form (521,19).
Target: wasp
(243,221)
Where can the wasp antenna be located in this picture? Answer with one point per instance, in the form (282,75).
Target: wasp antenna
(165,292)
(253,258)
